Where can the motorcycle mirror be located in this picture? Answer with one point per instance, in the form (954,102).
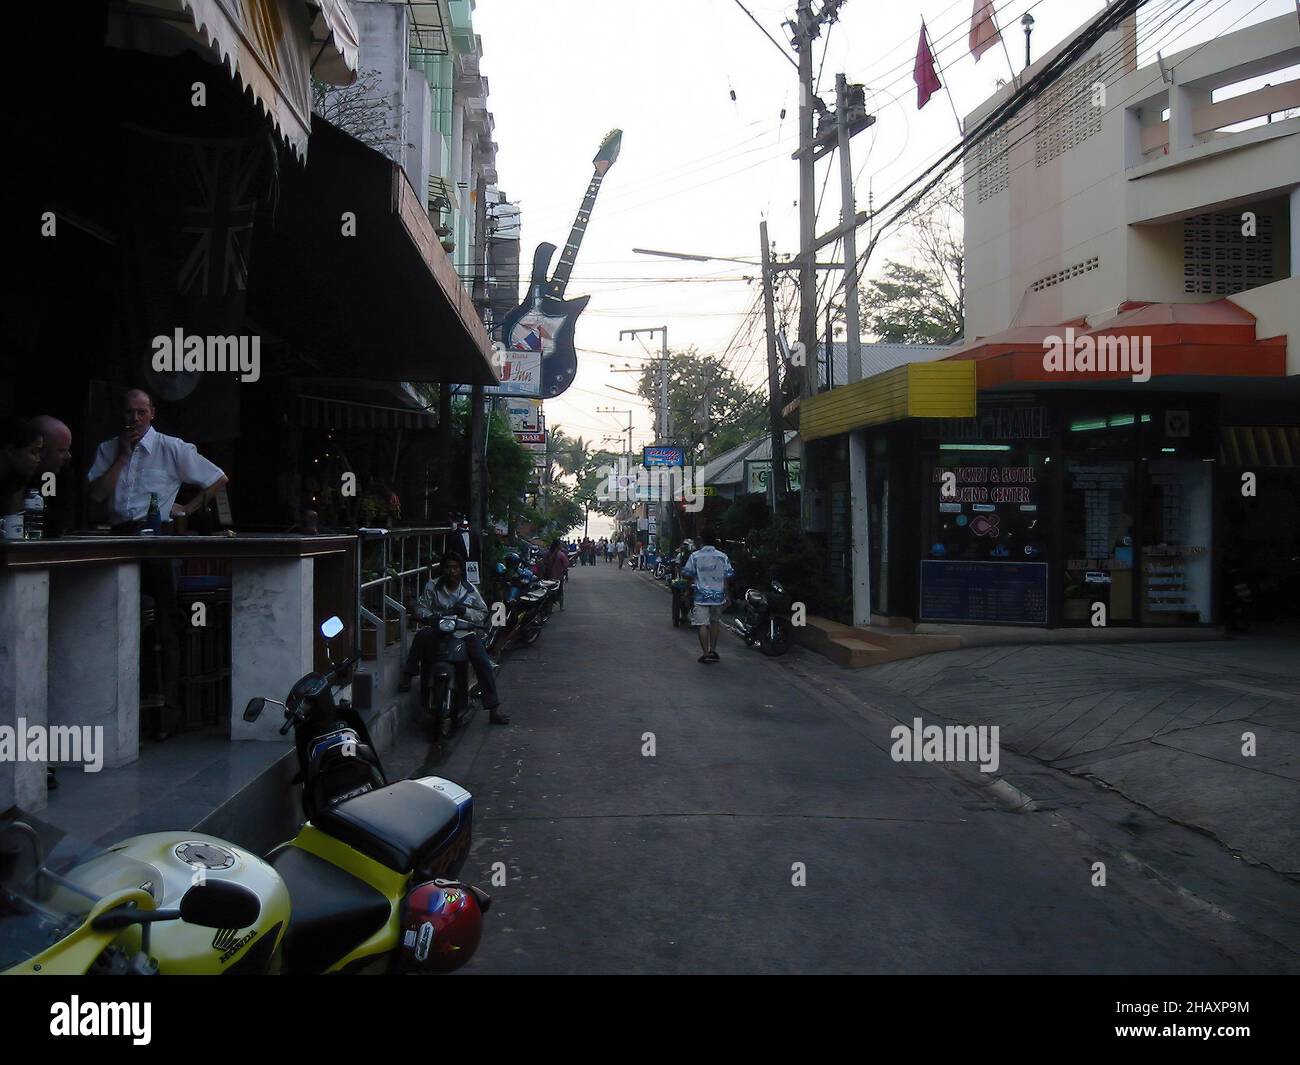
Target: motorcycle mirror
(331,627)
(220,904)
(254,709)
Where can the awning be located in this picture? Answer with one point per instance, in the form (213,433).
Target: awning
(1259,445)
(272,47)
(1214,339)
(324,404)
(943,389)
(347,269)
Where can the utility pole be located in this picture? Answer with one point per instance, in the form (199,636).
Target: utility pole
(860,505)
(777,478)
(807,30)
(665,427)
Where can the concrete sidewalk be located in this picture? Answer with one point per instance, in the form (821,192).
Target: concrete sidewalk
(1162,724)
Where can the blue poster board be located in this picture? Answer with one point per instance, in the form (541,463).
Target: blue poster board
(1008,593)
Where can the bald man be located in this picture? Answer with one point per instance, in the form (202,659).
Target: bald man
(55,455)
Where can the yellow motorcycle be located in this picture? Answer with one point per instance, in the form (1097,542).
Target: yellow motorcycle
(366,886)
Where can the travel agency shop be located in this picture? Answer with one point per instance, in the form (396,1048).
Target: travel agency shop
(1032,475)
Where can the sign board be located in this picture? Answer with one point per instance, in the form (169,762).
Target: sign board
(757,472)
(659,455)
(531,438)
(471,572)
(1008,593)
(525,414)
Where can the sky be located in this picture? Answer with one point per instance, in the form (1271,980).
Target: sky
(699,170)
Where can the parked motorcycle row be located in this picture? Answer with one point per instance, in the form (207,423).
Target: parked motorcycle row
(367,885)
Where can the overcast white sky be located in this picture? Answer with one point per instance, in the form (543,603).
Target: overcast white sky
(698,171)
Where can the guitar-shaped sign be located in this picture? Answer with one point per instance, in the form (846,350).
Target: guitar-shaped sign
(544,322)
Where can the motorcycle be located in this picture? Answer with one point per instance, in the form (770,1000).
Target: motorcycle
(445,691)
(764,621)
(683,601)
(366,886)
(525,607)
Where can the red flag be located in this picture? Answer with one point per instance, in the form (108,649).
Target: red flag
(923,73)
(983,30)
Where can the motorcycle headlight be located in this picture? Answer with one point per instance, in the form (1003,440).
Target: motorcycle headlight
(447,625)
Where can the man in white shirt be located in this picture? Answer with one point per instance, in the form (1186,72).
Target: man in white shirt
(143,462)
(710,573)
(127,470)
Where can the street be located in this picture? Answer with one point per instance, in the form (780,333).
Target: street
(686,861)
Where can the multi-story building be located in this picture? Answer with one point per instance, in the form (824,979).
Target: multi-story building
(1120,428)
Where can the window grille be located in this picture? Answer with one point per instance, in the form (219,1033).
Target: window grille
(1219,260)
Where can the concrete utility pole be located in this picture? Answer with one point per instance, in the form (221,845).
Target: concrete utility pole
(665,427)
(860,505)
(807,30)
(777,477)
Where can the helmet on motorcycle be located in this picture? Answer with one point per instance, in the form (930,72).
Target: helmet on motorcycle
(441,927)
(512,560)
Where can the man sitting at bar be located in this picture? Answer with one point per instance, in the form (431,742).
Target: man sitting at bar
(450,593)
(54,457)
(141,462)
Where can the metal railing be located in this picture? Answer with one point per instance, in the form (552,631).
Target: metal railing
(391,571)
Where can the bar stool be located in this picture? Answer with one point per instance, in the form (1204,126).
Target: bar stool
(152,699)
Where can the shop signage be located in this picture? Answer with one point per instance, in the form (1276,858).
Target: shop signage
(525,414)
(991,484)
(1009,593)
(994,424)
(659,455)
(757,472)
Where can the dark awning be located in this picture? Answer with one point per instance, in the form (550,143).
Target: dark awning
(383,304)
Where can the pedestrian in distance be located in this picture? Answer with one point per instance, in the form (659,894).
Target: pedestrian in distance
(710,573)
(622,553)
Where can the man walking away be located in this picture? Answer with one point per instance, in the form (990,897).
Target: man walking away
(710,573)
(622,553)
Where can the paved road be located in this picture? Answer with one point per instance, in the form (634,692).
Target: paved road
(685,861)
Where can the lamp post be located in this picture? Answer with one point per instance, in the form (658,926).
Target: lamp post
(1028,23)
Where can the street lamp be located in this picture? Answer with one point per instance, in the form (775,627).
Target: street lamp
(1028,23)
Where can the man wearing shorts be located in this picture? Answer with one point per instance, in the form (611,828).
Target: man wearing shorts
(710,573)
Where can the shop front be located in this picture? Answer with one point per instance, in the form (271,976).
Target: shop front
(1060,499)
(1067,509)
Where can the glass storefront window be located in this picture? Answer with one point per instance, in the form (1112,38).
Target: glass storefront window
(1097,548)
(1176,556)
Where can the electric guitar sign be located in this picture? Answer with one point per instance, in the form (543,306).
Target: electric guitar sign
(542,326)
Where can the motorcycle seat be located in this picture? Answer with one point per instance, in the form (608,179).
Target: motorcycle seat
(331,911)
(532,597)
(398,826)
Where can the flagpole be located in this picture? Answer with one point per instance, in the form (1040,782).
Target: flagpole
(1015,78)
(934,57)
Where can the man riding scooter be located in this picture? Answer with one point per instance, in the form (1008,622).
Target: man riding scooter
(450,593)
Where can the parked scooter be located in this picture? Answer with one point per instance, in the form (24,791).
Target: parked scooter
(525,614)
(765,620)
(366,886)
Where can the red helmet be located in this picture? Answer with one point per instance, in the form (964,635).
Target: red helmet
(442,923)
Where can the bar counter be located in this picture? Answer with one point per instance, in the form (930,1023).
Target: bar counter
(70,631)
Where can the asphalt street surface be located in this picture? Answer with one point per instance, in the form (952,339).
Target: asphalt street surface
(770,831)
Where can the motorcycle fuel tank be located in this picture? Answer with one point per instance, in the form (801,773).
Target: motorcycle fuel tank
(181,860)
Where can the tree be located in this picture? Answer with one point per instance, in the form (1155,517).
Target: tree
(922,302)
(361,110)
(710,409)
(910,306)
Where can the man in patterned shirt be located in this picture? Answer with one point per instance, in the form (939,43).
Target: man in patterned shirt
(710,573)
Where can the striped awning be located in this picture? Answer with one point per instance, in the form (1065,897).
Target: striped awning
(1259,445)
(273,47)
